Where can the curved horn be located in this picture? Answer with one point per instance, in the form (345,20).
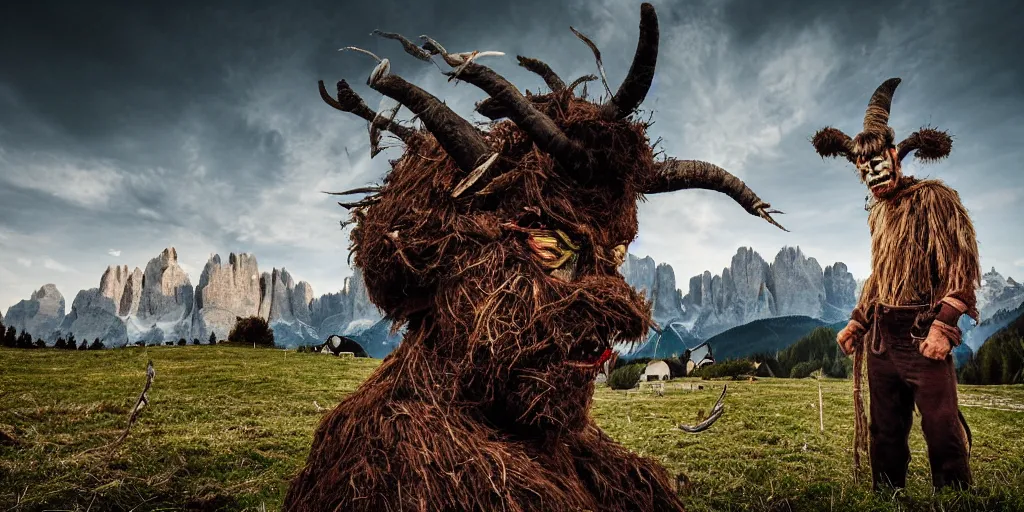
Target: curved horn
(460,139)
(930,144)
(675,175)
(641,72)
(831,142)
(550,77)
(876,119)
(349,101)
(541,128)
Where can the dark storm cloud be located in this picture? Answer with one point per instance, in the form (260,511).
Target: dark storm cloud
(128,126)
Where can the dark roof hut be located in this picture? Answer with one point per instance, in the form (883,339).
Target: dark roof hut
(336,344)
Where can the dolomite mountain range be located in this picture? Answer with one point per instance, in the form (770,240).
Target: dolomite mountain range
(160,303)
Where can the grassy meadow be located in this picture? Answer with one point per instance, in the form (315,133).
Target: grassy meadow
(228,426)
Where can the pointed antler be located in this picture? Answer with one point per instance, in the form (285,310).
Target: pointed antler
(512,104)
(554,82)
(349,101)
(460,139)
(675,175)
(638,80)
(716,413)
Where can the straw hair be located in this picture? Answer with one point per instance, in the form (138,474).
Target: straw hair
(486,403)
(924,222)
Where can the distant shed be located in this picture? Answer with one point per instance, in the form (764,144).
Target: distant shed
(655,371)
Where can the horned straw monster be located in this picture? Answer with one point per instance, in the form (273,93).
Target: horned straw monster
(924,270)
(498,250)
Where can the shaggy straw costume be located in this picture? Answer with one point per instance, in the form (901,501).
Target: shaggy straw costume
(924,270)
(499,251)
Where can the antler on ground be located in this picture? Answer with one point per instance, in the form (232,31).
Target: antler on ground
(142,401)
(675,175)
(716,413)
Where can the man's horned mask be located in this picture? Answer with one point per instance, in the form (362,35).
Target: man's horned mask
(873,151)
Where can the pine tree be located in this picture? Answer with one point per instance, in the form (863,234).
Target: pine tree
(11,338)
(254,330)
(40,343)
(83,346)
(24,340)
(71,342)
(97,345)
(213,338)
(60,343)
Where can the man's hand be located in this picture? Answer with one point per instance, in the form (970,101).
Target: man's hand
(940,340)
(850,336)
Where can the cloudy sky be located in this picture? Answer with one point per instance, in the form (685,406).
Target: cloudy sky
(126,128)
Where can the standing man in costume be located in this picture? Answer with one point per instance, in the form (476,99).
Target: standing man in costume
(924,271)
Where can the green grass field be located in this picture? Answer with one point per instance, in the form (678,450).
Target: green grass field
(227,427)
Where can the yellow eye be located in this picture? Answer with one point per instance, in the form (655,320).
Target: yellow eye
(553,247)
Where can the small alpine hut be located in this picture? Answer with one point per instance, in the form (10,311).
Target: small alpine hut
(336,345)
(655,371)
(700,356)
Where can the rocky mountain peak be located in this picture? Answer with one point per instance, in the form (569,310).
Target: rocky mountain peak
(224,293)
(40,314)
(112,285)
(748,289)
(998,293)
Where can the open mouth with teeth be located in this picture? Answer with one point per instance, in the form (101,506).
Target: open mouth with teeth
(880,181)
(590,354)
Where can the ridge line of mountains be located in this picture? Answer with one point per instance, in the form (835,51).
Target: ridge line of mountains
(160,303)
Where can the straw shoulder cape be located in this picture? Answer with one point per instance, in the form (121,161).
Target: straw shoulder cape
(923,248)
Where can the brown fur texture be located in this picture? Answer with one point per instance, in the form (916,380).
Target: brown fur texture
(484,405)
(831,142)
(923,245)
(476,409)
(931,145)
(923,248)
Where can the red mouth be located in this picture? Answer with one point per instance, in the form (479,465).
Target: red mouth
(592,365)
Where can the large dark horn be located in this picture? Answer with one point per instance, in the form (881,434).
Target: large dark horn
(675,175)
(349,101)
(641,72)
(541,128)
(460,139)
(930,144)
(876,119)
